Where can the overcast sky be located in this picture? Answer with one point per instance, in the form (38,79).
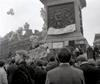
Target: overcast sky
(29,11)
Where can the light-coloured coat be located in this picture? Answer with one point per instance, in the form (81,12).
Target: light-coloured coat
(3,76)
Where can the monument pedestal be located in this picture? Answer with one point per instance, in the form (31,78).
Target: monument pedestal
(64,22)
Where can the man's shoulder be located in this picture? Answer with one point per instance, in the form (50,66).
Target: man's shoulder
(53,70)
(2,71)
(22,64)
(94,68)
(23,67)
(67,69)
(52,63)
(12,66)
(89,67)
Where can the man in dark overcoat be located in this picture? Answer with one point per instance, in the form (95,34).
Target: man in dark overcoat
(91,73)
(24,73)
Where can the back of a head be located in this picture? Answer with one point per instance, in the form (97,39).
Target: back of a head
(2,63)
(71,62)
(45,63)
(91,62)
(39,62)
(64,55)
(82,58)
(13,61)
(52,58)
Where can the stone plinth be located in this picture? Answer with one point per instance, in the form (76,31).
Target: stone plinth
(64,20)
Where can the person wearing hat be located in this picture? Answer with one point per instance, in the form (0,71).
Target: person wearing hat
(3,75)
(52,64)
(64,73)
(91,73)
(22,75)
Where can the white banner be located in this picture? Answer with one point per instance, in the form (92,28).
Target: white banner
(58,45)
(67,29)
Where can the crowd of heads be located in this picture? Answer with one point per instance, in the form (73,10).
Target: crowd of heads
(64,55)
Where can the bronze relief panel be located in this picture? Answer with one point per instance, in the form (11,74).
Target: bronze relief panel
(59,16)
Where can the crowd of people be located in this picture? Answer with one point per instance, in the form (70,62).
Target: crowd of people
(59,69)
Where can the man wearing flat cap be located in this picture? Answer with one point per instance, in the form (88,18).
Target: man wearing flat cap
(22,74)
(91,73)
(3,75)
(64,74)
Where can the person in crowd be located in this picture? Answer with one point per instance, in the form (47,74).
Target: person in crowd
(52,64)
(91,62)
(3,75)
(98,63)
(77,51)
(24,73)
(91,73)
(64,74)
(10,70)
(81,51)
(96,50)
(40,74)
(72,62)
(44,64)
(74,53)
(7,63)
(90,53)
(48,51)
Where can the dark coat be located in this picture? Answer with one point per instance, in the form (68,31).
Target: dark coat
(23,75)
(10,71)
(91,73)
(65,74)
(40,75)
